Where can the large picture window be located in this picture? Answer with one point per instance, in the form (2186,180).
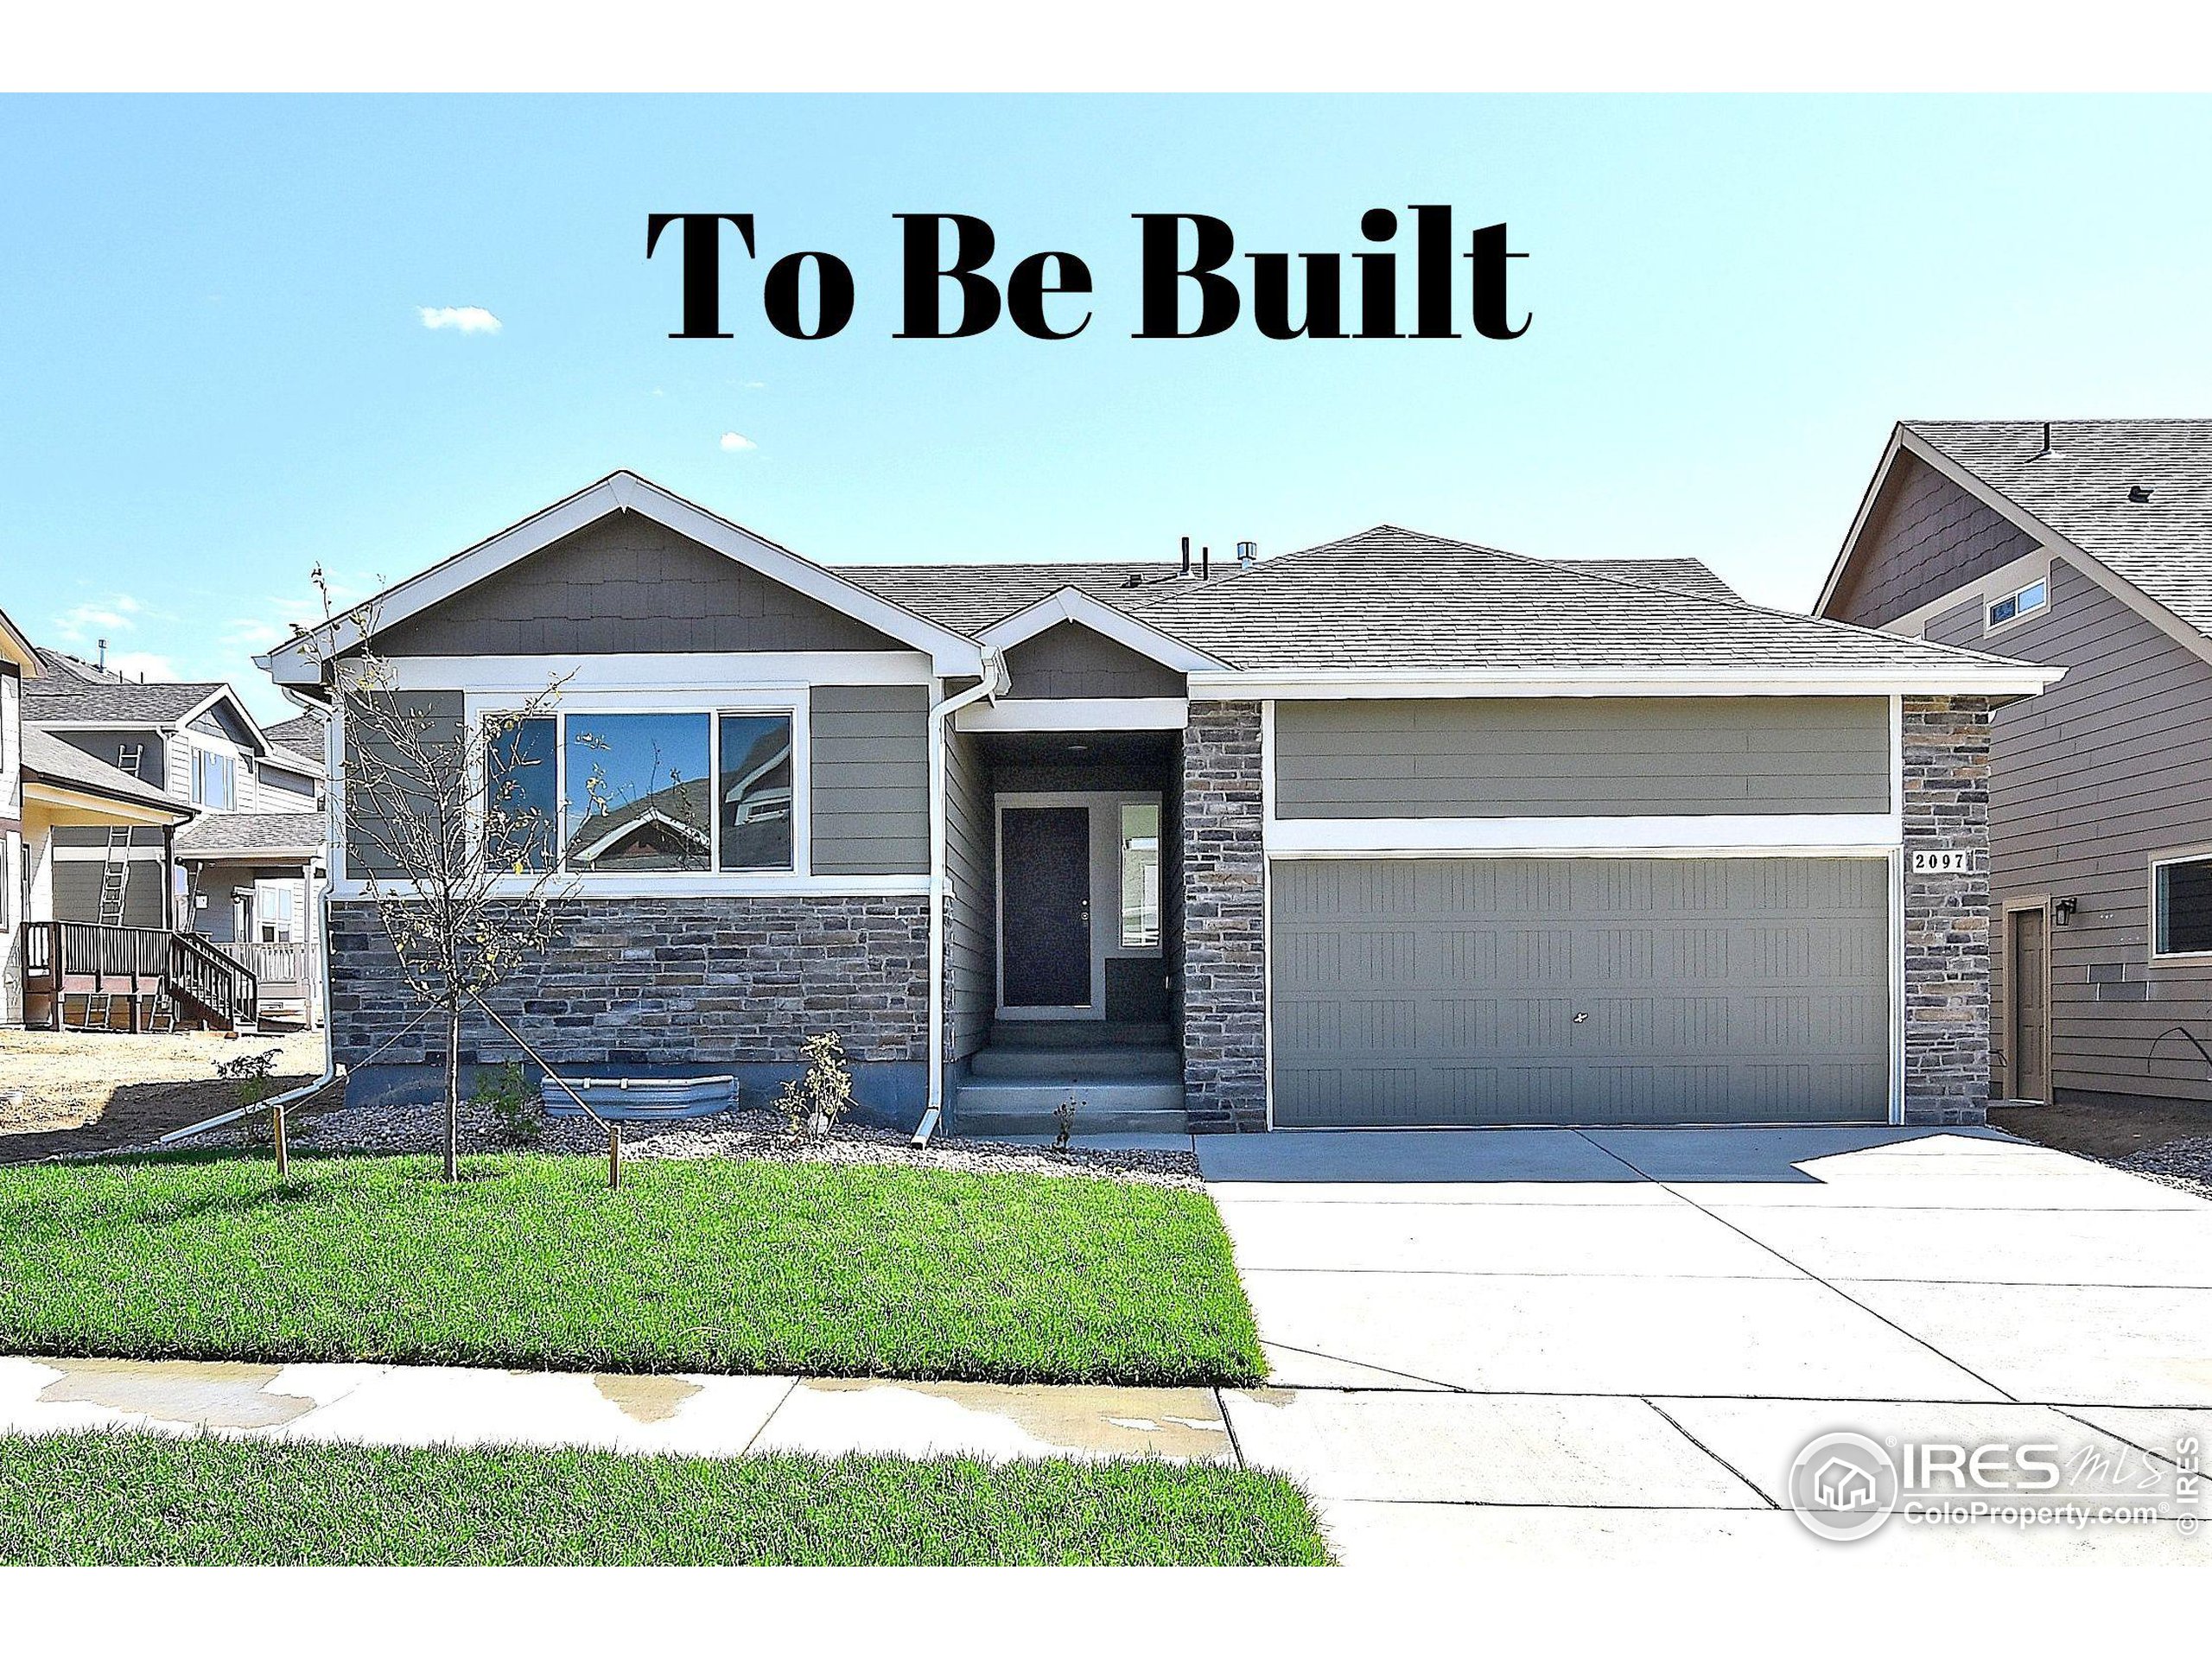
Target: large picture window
(2181,906)
(641,793)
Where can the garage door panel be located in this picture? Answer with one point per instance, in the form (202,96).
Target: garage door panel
(1588,990)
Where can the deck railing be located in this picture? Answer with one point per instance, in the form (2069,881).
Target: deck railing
(64,959)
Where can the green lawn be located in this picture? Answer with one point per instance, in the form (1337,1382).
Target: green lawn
(707,1266)
(120,1498)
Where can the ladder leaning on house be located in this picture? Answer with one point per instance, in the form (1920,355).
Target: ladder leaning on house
(115,874)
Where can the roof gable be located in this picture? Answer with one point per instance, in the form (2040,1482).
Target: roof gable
(1920,535)
(301,660)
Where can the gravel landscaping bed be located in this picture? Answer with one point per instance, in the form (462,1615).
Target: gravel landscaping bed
(2186,1164)
(744,1131)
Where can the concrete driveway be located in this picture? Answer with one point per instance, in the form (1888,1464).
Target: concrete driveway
(1615,1342)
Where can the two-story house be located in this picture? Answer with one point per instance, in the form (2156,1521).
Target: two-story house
(239,866)
(2088,545)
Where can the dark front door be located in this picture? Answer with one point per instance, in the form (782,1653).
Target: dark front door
(2030,983)
(1044,917)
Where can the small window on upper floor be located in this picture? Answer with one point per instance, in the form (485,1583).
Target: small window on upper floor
(2023,601)
(214,781)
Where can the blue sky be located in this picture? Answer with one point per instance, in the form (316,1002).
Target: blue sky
(218,376)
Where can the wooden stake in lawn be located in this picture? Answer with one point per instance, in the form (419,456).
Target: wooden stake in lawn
(441,823)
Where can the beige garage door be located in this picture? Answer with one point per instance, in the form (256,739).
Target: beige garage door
(1589,990)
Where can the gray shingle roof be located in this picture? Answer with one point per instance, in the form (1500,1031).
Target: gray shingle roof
(48,757)
(1393,599)
(70,690)
(1689,575)
(298,744)
(295,834)
(2163,545)
(969,598)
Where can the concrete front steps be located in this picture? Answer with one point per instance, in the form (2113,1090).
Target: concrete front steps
(1128,1078)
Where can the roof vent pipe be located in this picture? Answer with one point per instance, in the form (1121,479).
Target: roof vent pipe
(1186,556)
(2046,449)
(1248,554)
(1205,562)
(103,655)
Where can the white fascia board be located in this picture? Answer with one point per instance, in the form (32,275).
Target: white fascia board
(60,795)
(1073,604)
(1076,715)
(299,661)
(1699,836)
(675,671)
(1965,678)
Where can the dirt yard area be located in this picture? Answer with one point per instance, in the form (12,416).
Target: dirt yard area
(2109,1131)
(66,1092)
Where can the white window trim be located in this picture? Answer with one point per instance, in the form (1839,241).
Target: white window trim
(789,703)
(2196,855)
(1990,602)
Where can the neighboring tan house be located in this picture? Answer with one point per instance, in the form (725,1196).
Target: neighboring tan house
(19,662)
(241,872)
(2086,544)
(1395,830)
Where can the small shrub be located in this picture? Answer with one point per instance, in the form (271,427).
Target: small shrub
(251,1084)
(1063,1115)
(517,1111)
(814,1102)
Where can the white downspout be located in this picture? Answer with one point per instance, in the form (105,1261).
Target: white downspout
(994,684)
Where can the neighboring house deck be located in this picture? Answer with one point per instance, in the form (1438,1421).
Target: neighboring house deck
(2085,544)
(164,808)
(1394,830)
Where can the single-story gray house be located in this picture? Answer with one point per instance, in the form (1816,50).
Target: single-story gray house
(1397,830)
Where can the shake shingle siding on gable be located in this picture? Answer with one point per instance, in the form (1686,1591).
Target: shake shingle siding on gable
(627,584)
(1925,537)
(1069,660)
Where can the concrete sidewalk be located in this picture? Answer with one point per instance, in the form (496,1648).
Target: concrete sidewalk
(693,1415)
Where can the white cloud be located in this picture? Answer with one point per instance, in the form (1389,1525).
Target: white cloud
(468,319)
(253,634)
(81,624)
(737,443)
(147,665)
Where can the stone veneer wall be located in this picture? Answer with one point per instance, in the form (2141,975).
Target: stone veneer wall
(1947,927)
(649,981)
(1224,920)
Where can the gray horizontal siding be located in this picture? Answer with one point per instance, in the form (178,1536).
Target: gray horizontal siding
(1581,757)
(971,863)
(626,583)
(77,892)
(443,715)
(108,746)
(2087,782)
(868,776)
(1069,660)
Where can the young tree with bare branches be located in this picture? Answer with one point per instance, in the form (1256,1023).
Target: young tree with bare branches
(446,830)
